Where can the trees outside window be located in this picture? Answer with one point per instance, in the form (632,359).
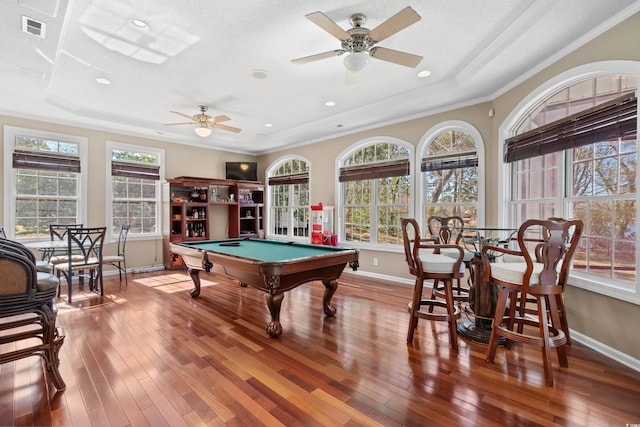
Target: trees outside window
(135,174)
(289,198)
(449,169)
(43,176)
(595,182)
(375,184)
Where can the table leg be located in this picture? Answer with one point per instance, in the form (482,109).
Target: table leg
(330,287)
(194,273)
(274,302)
(482,301)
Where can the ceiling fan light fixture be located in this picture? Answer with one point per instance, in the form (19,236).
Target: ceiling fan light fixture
(356,61)
(202,131)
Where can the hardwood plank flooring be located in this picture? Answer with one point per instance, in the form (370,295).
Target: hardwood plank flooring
(150,355)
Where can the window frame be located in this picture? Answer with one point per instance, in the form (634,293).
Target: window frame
(10,193)
(421,152)
(112,235)
(339,190)
(600,285)
(269,200)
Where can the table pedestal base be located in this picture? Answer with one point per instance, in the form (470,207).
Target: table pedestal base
(469,330)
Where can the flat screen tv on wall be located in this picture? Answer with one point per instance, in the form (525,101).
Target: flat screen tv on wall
(242,171)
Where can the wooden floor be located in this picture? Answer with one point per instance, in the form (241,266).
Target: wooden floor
(149,354)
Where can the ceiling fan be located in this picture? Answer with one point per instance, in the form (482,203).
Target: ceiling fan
(359,42)
(204,122)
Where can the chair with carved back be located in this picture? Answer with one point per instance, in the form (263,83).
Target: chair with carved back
(119,260)
(449,230)
(547,248)
(425,263)
(27,312)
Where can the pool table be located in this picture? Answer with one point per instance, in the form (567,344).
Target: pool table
(272,266)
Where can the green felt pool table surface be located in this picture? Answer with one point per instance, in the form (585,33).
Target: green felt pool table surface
(265,250)
(271,266)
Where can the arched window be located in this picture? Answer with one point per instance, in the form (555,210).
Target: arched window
(449,172)
(574,154)
(375,188)
(289,198)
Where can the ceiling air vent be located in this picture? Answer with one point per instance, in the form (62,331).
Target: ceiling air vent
(31,26)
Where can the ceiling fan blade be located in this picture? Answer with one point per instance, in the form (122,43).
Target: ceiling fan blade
(395,56)
(225,127)
(183,115)
(327,24)
(220,118)
(171,124)
(397,22)
(318,56)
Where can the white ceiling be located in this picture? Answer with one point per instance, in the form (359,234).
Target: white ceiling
(203,52)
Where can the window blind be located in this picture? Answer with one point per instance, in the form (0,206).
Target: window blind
(608,121)
(374,170)
(45,161)
(449,162)
(299,178)
(135,170)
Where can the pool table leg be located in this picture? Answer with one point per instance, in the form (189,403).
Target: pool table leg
(194,273)
(330,287)
(274,302)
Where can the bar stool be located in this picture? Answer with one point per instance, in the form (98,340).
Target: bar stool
(426,264)
(540,277)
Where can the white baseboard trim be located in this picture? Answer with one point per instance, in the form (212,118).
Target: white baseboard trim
(605,350)
(381,276)
(601,348)
(114,271)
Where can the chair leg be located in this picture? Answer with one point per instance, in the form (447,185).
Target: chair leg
(415,305)
(498,318)
(433,293)
(453,327)
(544,334)
(69,276)
(556,324)
(564,324)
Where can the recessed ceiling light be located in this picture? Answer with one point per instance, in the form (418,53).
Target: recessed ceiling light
(268,125)
(330,104)
(259,74)
(103,80)
(424,73)
(140,24)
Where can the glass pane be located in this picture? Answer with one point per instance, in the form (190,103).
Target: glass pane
(625,215)
(625,261)
(601,219)
(583,178)
(605,180)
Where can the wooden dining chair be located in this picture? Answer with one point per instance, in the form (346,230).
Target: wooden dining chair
(425,263)
(84,254)
(119,261)
(546,248)
(449,230)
